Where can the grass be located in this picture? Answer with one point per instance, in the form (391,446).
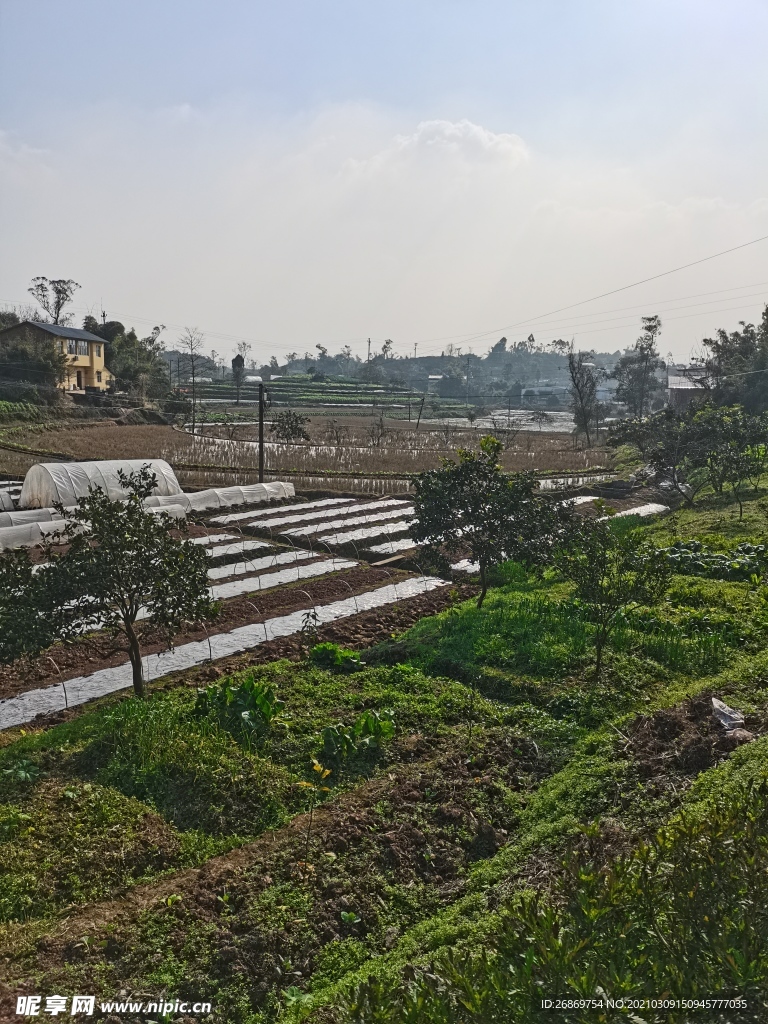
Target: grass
(164,787)
(513,838)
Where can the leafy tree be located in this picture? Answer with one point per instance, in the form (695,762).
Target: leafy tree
(611,567)
(8,318)
(122,565)
(53,296)
(23,628)
(238,368)
(673,447)
(471,505)
(736,368)
(30,357)
(136,363)
(289,426)
(585,378)
(635,371)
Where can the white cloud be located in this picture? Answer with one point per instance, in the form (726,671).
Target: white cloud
(358,222)
(472,141)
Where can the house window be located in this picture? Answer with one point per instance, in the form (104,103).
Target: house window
(82,347)
(98,376)
(72,347)
(98,352)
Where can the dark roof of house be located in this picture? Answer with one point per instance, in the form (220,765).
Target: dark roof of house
(59,331)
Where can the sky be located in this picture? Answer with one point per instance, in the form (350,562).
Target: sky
(436,172)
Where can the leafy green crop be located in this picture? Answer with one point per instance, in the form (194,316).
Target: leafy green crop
(334,658)
(692,558)
(248,710)
(685,915)
(369,730)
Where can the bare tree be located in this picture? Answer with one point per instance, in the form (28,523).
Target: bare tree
(53,296)
(191,344)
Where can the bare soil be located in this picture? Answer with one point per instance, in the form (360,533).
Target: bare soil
(672,746)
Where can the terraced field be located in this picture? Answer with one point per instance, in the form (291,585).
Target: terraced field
(156,849)
(307,587)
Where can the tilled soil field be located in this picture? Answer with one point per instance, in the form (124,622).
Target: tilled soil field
(65,662)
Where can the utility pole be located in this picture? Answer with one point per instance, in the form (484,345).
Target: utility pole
(103,316)
(421,410)
(415,344)
(261,433)
(369,350)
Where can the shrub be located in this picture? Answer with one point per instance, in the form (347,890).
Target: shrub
(684,915)
(371,728)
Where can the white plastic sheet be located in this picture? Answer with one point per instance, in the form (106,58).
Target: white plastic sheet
(365,534)
(336,524)
(224,497)
(23,708)
(306,517)
(65,482)
(235,517)
(31,515)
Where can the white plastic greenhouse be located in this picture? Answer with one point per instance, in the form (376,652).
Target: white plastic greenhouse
(65,482)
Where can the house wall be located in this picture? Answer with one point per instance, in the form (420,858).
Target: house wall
(93,372)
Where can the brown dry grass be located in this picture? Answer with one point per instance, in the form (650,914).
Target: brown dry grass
(399,450)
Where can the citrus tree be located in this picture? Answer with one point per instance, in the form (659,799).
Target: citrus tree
(611,567)
(471,505)
(123,567)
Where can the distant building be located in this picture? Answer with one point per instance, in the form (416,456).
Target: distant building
(684,384)
(85,352)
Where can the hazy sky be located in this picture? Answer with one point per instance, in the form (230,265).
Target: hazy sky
(299,171)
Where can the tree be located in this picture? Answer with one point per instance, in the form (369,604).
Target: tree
(611,567)
(636,370)
(238,368)
(673,446)
(137,364)
(34,357)
(471,505)
(23,629)
(191,343)
(8,318)
(53,296)
(736,368)
(585,379)
(123,565)
(387,349)
(289,426)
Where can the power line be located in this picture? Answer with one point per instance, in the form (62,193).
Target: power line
(619,309)
(624,288)
(520,323)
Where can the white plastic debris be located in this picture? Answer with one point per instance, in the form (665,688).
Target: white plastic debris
(726,716)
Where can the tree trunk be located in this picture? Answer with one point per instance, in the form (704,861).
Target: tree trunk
(483,585)
(599,645)
(134,653)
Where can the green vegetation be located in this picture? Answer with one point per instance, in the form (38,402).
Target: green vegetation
(26,412)
(439,830)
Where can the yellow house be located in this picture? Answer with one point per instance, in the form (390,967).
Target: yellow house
(84,351)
